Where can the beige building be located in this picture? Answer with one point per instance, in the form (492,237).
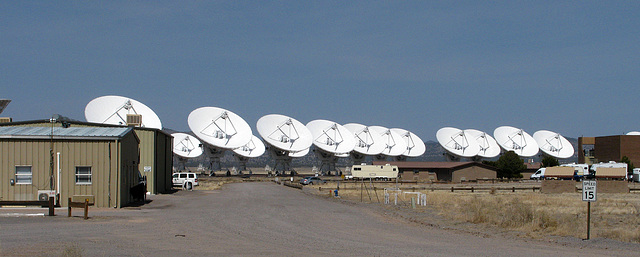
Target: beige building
(156,156)
(101,162)
(443,171)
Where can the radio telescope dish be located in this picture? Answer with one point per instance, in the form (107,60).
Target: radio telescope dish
(367,143)
(299,153)
(394,144)
(632,133)
(489,148)
(219,127)
(331,137)
(3,104)
(186,145)
(284,133)
(114,109)
(517,140)
(457,142)
(254,148)
(415,145)
(553,144)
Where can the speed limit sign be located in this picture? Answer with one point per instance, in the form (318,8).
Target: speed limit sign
(589,190)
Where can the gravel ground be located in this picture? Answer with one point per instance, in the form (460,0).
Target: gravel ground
(267,219)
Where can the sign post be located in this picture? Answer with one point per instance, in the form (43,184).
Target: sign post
(589,194)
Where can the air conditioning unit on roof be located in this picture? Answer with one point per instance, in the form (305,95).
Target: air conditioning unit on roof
(134,120)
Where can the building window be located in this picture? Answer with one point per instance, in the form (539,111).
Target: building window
(24,176)
(83,175)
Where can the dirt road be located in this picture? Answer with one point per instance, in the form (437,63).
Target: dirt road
(255,219)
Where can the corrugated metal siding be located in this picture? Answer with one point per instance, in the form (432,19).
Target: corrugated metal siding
(72,154)
(156,152)
(129,168)
(160,160)
(35,153)
(147,157)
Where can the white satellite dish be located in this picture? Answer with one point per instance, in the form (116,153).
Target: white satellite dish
(633,133)
(489,148)
(367,143)
(517,140)
(395,145)
(185,145)
(254,148)
(114,110)
(3,104)
(299,153)
(331,137)
(415,145)
(284,133)
(553,144)
(219,127)
(455,141)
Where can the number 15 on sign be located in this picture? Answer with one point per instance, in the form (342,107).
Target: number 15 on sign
(589,191)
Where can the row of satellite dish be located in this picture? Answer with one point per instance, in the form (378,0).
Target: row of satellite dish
(217,130)
(472,143)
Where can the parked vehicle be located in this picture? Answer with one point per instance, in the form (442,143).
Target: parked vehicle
(185,179)
(636,175)
(556,172)
(539,174)
(610,170)
(581,170)
(386,171)
(312,181)
(575,171)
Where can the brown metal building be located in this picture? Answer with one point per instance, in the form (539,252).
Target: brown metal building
(608,148)
(156,156)
(101,162)
(443,171)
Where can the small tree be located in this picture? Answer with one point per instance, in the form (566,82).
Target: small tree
(549,161)
(630,166)
(510,165)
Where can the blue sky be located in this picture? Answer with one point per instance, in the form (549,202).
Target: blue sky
(570,67)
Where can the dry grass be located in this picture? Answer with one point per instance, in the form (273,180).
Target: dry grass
(215,183)
(613,216)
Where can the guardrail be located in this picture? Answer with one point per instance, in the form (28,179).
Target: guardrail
(452,189)
(51,204)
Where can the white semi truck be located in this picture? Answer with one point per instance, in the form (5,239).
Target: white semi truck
(610,170)
(577,171)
